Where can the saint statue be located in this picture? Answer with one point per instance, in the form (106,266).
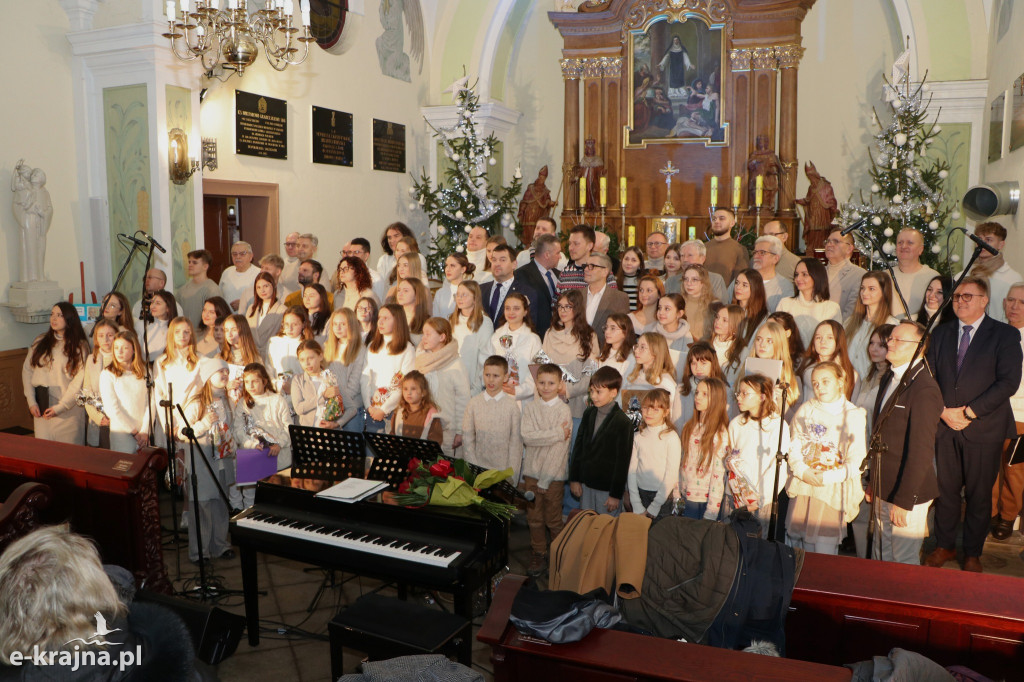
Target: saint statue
(536,204)
(820,209)
(764,162)
(592,170)
(674,65)
(33,211)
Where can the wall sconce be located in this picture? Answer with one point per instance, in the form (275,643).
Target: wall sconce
(181,166)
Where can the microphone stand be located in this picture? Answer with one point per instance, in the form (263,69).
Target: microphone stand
(203,590)
(168,406)
(779,458)
(877,446)
(147,317)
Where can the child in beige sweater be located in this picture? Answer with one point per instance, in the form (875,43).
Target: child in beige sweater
(490,426)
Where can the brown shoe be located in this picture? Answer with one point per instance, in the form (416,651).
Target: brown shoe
(972,564)
(538,564)
(939,557)
(1002,529)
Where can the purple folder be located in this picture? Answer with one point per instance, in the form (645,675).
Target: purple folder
(253,465)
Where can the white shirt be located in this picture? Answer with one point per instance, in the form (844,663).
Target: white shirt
(495,398)
(503,288)
(974,330)
(999,286)
(897,376)
(477,258)
(554,278)
(238,285)
(593,302)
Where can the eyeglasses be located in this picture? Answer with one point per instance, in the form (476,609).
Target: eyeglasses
(893,338)
(565,306)
(966,298)
(291,244)
(745,394)
(591,266)
(344,268)
(834,242)
(691,280)
(762,252)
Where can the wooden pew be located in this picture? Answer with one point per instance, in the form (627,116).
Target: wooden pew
(20,512)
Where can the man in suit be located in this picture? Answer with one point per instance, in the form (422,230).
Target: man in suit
(843,276)
(503,263)
(541,274)
(907,480)
(602,300)
(977,363)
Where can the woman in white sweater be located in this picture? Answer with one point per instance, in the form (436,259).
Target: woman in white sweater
(472,330)
(872,310)
(123,389)
(518,344)
(265,313)
(456,269)
(97,425)
(754,440)
(175,373)
(345,356)
(389,357)
(810,305)
(437,358)
(657,452)
(153,336)
(829,444)
(50,367)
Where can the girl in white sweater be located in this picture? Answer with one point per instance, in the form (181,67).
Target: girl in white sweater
(282,361)
(162,307)
(123,389)
(316,398)
(472,330)
(50,367)
(705,443)
(437,358)
(653,369)
(654,466)
(518,344)
(176,372)
(389,357)
(263,406)
(754,440)
(619,339)
(828,448)
(672,322)
(97,426)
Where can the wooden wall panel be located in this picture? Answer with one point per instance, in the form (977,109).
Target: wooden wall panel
(13,408)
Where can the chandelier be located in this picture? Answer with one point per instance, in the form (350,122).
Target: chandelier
(230,38)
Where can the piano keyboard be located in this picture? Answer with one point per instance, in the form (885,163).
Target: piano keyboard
(347,538)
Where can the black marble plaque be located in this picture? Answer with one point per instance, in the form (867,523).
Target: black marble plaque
(388,146)
(261,126)
(332,137)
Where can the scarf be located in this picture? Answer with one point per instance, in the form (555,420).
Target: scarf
(429,361)
(681,331)
(561,346)
(986,268)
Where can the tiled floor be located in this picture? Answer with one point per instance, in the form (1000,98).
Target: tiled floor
(293,643)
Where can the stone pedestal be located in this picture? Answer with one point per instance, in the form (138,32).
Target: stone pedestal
(31,301)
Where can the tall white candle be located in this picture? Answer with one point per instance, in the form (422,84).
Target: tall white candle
(170,10)
(304,8)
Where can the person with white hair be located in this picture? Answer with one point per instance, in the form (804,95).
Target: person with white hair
(288,281)
(695,252)
(766,256)
(236,281)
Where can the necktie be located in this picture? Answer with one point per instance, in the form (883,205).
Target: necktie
(551,284)
(965,340)
(495,297)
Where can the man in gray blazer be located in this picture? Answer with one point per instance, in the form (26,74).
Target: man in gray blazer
(843,276)
(602,300)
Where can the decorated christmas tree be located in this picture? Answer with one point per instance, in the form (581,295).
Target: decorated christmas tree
(464,199)
(908,187)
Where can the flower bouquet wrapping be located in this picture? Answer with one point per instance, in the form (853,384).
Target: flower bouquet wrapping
(329,409)
(451,483)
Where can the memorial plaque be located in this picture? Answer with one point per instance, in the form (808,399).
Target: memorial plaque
(388,146)
(261,126)
(332,137)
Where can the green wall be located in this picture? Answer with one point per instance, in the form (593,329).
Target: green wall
(182,198)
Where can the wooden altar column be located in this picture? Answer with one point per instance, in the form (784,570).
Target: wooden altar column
(789,58)
(571,71)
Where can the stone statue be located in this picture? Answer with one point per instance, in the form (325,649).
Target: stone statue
(592,170)
(820,209)
(33,211)
(536,203)
(764,162)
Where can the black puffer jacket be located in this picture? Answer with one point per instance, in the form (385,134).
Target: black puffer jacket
(691,567)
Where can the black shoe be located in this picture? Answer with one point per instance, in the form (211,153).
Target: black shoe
(227,554)
(1002,529)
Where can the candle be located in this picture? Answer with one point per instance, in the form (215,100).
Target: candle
(304,9)
(622,192)
(676,232)
(736,191)
(289,7)
(583,192)
(170,10)
(759,191)
(604,192)
(184,6)
(214,5)
(631,241)
(714,190)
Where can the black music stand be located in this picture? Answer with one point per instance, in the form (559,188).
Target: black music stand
(391,455)
(326,454)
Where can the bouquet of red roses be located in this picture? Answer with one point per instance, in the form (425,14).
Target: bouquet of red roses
(451,483)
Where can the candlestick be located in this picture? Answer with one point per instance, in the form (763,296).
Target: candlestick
(736,191)
(714,190)
(583,192)
(604,191)
(759,191)
(631,240)
(622,192)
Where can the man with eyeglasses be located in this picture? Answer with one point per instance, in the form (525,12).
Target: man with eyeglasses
(237,281)
(977,363)
(726,256)
(602,300)
(843,275)
(767,254)
(787,259)
(288,282)
(907,480)
(1008,493)
(657,244)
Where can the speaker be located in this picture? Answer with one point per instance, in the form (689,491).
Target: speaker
(215,632)
(981,202)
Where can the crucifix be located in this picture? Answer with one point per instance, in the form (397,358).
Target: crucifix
(668,171)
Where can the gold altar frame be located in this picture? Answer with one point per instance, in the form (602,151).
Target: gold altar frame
(676,16)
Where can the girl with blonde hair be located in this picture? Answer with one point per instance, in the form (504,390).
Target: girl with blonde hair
(472,330)
(698,295)
(345,356)
(123,389)
(654,465)
(705,442)
(653,369)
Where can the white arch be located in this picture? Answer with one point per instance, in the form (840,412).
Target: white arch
(909,17)
(489,46)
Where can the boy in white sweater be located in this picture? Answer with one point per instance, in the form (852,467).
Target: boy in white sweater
(490,426)
(546,427)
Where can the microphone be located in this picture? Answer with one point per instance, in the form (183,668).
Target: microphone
(133,240)
(166,403)
(982,244)
(529,496)
(155,243)
(854,226)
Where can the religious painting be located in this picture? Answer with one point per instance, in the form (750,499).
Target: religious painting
(676,79)
(995,128)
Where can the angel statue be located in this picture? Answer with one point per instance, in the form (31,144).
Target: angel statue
(34,212)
